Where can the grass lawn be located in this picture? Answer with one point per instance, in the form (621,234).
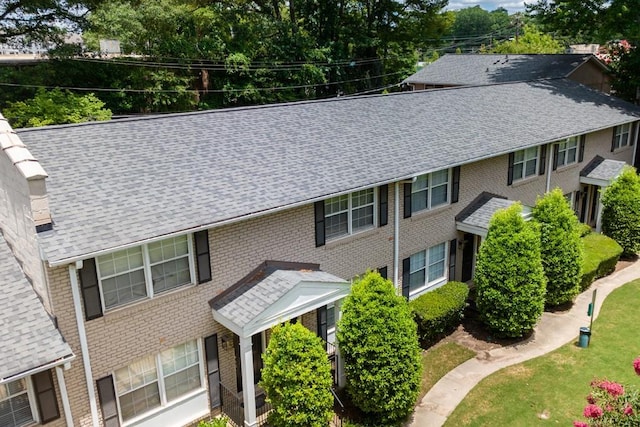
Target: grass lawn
(556,384)
(439,360)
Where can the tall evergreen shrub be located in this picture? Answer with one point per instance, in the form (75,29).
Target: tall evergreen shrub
(621,211)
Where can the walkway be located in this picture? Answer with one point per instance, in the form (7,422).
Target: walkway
(553,331)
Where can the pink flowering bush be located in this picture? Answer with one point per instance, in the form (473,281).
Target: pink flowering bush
(610,404)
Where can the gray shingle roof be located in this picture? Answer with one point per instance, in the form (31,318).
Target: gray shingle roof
(480,211)
(28,338)
(474,69)
(602,169)
(263,287)
(120,182)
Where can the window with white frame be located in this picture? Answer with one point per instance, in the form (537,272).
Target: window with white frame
(15,409)
(525,163)
(427,267)
(567,152)
(431,190)
(158,380)
(135,273)
(622,136)
(349,213)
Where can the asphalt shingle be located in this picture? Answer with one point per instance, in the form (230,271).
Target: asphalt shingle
(28,337)
(124,181)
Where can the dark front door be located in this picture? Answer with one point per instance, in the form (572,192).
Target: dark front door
(256,349)
(467,257)
(213,369)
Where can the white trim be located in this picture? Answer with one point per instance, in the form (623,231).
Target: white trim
(66,359)
(434,283)
(429,190)
(473,229)
(349,212)
(549,161)
(64,396)
(396,240)
(84,346)
(635,142)
(595,181)
(524,175)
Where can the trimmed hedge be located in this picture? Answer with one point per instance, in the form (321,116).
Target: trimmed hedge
(601,254)
(439,312)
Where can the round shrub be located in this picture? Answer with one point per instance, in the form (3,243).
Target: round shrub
(561,247)
(377,337)
(439,312)
(621,211)
(509,277)
(297,378)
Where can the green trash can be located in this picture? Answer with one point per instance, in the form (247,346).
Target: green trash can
(585,336)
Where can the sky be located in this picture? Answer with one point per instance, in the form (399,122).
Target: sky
(511,6)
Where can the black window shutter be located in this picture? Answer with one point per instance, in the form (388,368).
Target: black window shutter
(406,270)
(46,396)
(213,370)
(383,195)
(613,139)
(543,159)
(90,289)
(407,200)
(383,272)
(510,173)
(556,152)
(202,256)
(319,214)
(581,152)
(321,312)
(108,404)
(453,247)
(455,188)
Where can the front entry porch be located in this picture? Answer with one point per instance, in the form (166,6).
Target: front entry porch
(594,178)
(274,293)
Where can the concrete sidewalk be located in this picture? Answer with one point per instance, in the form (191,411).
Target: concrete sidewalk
(553,331)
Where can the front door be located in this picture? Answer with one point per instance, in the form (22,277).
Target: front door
(468,256)
(256,349)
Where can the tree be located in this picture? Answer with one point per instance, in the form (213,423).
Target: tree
(297,378)
(509,276)
(561,247)
(621,211)
(378,338)
(56,107)
(532,41)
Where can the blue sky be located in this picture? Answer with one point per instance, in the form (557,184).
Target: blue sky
(511,6)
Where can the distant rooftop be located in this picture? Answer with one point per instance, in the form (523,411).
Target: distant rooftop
(479,69)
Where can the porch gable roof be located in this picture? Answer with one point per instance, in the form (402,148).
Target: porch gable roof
(273,293)
(475,218)
(601,171)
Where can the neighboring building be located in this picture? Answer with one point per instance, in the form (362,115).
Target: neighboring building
(480,69)
(168,246)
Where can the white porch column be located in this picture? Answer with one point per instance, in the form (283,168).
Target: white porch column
(248,388)
(342,379)
(599,210)
(64,396)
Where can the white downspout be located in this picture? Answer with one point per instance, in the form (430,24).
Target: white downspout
(549,168)
(396,235)
(64,396)
(84,346)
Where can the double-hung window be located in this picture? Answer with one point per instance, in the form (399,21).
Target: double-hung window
(15,409)
(525,163)
(427,267)
(430,191)
(349,213)
(622,136)
(158,380)
(567,152)
(144,271)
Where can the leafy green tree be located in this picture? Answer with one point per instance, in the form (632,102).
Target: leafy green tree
(621,211)
(56,107)
(472,21)
(532,41)
(561,247)
(509,275)
(297,378)
(378,338)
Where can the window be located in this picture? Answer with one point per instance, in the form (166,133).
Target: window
(349,213)
(430,190)
(158,380)
(525,163)
(567,153)
(621,136)
(427,267)
(15,409)
(132,274)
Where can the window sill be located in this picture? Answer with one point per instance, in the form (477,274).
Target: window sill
(428,287)
(425,213)
(148,417)
(348,238)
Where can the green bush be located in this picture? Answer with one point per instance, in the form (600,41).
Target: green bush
(584,229)
(560,246)
(378,339)
(509,276)
(601,254)
(621,211)
(439,312)
(297,378)
(214,422)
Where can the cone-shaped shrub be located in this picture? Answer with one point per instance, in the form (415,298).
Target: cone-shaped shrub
(621,211)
